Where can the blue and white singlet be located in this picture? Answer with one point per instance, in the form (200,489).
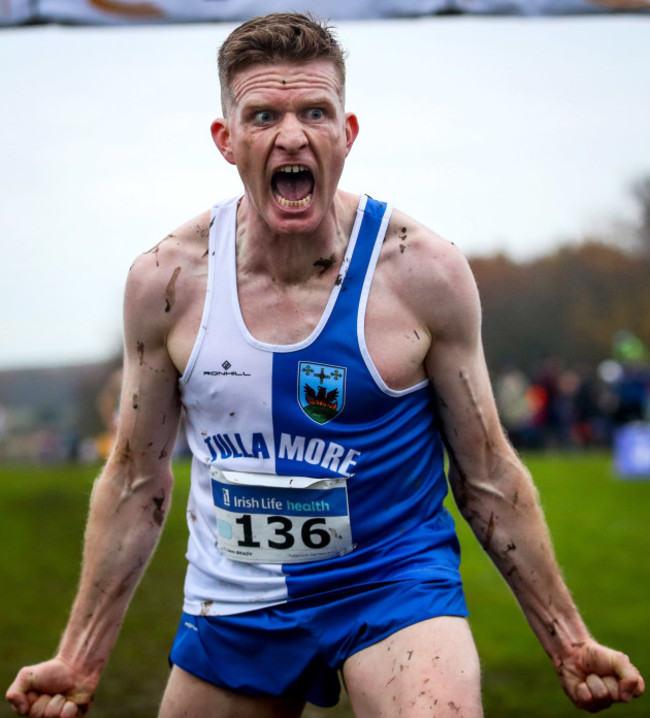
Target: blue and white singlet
(309,474)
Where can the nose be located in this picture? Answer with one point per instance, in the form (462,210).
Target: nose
(291,134)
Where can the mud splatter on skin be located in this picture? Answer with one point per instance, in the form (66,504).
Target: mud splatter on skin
(461,493)
(402,237)
(475,404)
(487,543)
(159,512)
(325,263)
(170,292)
(134,401)
(156,250)
(140,349)
(513,573)
(125,454)
(201,230)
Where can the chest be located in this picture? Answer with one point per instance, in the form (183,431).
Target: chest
(395,338)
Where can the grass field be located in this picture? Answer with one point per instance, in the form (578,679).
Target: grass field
(601,529)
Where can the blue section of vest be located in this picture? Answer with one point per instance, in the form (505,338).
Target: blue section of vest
(330,418)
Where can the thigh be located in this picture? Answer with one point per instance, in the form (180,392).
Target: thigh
(428,668)
(189,697)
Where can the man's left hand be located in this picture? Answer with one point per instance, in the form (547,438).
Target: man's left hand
(594,677)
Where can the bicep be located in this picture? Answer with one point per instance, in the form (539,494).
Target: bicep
(149,411)
(460,379)
(465,406)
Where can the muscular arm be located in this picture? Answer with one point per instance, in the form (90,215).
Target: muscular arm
(496,495)
(127,510)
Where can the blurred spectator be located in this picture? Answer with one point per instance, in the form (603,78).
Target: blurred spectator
(511,390)
(564,407)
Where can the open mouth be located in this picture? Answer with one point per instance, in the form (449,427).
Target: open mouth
(293,186)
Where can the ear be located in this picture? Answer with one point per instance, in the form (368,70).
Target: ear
(221,138)
(351,129)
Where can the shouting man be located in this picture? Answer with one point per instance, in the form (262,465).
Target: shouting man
(322,347)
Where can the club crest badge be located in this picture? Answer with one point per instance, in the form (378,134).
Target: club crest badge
(321,390)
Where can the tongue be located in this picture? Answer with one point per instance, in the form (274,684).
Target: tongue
(293,186)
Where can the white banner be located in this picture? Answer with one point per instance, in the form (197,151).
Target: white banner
(17,12)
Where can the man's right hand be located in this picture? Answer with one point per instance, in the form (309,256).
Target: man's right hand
(53,689)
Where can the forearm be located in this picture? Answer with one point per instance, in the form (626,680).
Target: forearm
(505,515)
(125,520)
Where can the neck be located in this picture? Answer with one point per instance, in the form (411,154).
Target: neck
(294,259)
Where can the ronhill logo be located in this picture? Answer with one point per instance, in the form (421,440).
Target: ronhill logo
(321,390)
(226,366)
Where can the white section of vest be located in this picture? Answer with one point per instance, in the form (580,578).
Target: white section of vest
(220,363)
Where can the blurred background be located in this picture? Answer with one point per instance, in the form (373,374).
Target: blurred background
(519,131)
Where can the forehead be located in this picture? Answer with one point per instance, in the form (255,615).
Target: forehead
(257,82)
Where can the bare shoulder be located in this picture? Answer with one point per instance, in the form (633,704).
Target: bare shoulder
(433,274)
(160,278)
(183,247)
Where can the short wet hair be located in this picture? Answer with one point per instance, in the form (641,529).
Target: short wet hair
(278,37)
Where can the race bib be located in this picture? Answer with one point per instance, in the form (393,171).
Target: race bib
(264,518)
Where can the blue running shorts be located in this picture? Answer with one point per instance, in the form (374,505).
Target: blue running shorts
(296,649)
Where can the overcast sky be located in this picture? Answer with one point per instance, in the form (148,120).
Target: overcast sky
(502,134)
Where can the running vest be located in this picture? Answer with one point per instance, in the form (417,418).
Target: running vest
(309,474)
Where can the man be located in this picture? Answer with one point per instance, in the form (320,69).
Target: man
(301,328)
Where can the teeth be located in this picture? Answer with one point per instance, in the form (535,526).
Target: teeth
(292,168)
(293,202)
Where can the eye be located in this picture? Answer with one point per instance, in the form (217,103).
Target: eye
(315,113)
(263,117)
